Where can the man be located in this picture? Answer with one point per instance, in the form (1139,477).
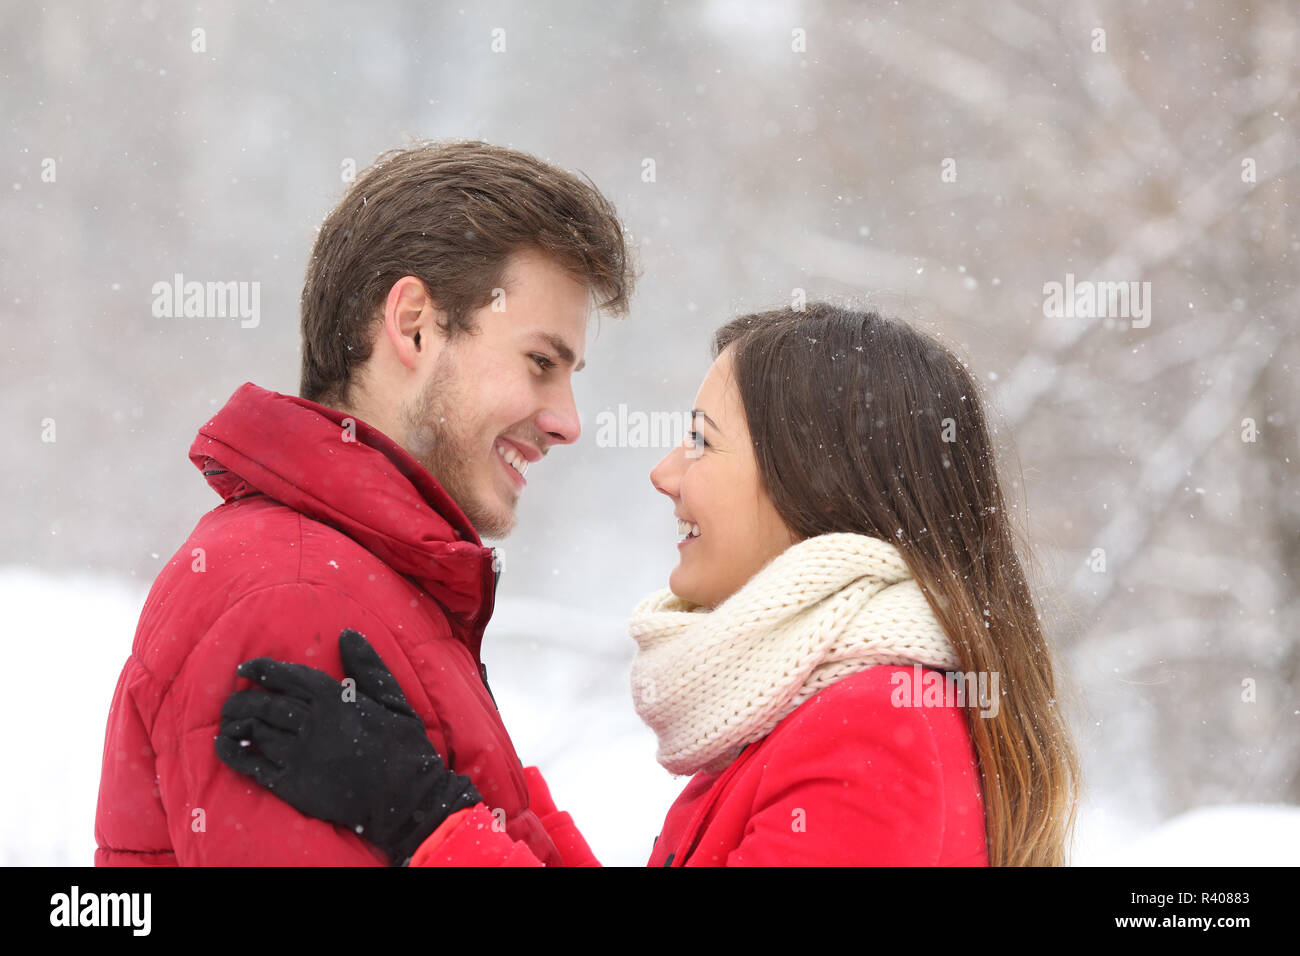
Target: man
(444,313)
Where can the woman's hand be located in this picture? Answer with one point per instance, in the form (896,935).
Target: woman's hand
(352,753)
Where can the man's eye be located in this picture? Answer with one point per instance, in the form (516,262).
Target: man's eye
(543,362)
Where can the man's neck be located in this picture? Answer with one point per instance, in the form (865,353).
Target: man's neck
(361,411)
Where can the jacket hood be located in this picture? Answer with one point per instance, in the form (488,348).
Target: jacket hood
(371,489)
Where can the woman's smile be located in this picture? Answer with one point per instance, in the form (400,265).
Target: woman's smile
(713,474)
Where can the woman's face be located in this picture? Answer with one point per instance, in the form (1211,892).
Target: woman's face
(714,484)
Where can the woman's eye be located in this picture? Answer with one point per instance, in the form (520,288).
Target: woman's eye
(543,362)
(695,442)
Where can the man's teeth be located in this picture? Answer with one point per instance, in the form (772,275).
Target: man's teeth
(685,528)
(513,458)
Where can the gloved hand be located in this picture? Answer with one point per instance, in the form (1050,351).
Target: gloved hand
(358,757)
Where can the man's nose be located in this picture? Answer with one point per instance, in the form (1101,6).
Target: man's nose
(559,421)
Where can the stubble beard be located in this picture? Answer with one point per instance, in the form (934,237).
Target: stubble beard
(446,452)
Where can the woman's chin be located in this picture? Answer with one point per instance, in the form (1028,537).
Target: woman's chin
(684,590)
(675,584)
(680,585)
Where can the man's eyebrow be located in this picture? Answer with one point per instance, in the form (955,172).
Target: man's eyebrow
(561,349)
(705,415)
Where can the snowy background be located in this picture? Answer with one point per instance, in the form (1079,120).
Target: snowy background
(1169,156)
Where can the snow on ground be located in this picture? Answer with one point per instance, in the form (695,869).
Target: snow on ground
(560,678)
(65,642)
(1236,835)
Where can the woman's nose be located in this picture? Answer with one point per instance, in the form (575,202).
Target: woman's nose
(666,476)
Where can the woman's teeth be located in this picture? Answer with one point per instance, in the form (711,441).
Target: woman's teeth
(513,458)
(685,529)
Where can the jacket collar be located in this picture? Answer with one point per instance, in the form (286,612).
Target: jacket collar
(302,455)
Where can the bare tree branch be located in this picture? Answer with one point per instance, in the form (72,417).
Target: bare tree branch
(1126,533)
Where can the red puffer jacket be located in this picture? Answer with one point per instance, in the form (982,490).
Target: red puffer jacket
(325,525)
(847,779)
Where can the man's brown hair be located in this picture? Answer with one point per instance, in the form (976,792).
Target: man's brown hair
(449,214)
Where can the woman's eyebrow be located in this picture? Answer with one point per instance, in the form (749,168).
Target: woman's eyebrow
(705,415)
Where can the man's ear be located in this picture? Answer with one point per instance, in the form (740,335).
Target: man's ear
(410,320)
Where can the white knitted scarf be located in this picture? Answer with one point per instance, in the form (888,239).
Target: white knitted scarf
(710,682)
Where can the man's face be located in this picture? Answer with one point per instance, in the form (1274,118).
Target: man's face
(495,400)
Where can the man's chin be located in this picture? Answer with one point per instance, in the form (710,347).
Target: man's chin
(494,534)
(494,524)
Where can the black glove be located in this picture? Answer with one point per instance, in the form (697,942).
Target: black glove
(358,757)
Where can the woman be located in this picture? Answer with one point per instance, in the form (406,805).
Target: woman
(846,558)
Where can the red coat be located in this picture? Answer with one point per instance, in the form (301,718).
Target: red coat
(317,532)
(847,779)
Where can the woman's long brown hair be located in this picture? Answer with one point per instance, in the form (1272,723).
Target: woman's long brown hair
(863,424)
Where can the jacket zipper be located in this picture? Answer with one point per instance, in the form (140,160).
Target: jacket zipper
(482,672)
(496,580)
